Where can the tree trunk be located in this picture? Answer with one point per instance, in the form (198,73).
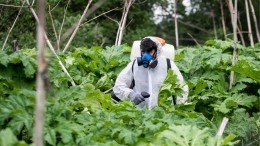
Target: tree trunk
(73,27)
(12,26)
(239,30)
(230,6)
(77,27)
(62,24)
(122,23)
(235,52)
(41,77)
(249,25)
(214,24)
(255,20)
(223,19)
(50,45)
(176,24)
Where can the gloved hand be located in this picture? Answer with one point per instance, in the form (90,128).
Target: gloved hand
(136,98)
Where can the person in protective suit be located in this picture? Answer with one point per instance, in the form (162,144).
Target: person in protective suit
(146,74)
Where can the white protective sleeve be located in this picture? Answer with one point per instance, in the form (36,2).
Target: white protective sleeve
(185,87)
(123,82)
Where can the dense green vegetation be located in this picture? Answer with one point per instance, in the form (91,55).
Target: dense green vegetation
(84,115)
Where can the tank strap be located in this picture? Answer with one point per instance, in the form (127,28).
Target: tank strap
(133,81)
(168,63)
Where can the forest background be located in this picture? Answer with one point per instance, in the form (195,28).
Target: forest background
(198,21)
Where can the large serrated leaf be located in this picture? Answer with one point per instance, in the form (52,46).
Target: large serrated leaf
(129,137)
(244,100)
(7,138)
(4,58)
(243,67)
(183,136)
(50,136)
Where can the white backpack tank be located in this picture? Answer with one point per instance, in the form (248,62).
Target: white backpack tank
(168,51)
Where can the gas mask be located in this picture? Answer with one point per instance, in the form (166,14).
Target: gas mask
(147,60)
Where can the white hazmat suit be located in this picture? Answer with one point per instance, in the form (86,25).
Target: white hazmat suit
(147,79)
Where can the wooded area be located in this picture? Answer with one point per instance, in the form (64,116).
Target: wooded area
(102,19)
(59,58)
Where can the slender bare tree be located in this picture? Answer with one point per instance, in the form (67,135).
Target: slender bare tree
(13,25)
(176,23)
(212,15)
(255,20)
(53,26)
(50,45)
(61,27)
(69,31)
(231,8)
(193,26)
(223,19)
(122,23)
(249,25)
(194,40)
(77,27)
(41,77)
(235,51)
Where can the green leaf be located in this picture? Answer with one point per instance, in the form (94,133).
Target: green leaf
(150,126)
(242,125)
(201,84)
(187,106)
(221,108)
(243,67)
(245,100)
(29,66)
(65,136)
(224,45)
(69,60)
(66,129)
(244,79)
(7,138)
(103,82)
(210,42)
(170,87)
(50,136)
(213,57)
(226,58)
(170,138)
(128,136)
(10,139)
(15,57)
(230,103)
(183,136)
(228,140)
(4,58)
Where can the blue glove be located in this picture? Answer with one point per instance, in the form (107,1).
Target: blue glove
(136,98)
